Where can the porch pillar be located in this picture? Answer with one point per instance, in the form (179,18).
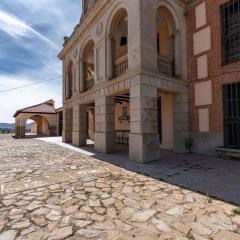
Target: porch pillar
(81,76)
(109,58)
(144,145)
(180,122)
(19,128)
(79,134)
(104,137)
(177,54)
(67,125)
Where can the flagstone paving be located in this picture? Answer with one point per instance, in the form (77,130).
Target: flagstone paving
(50,192)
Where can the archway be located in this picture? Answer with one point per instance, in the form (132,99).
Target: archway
(119,43)
(166,41)
(37,125)
(88,65)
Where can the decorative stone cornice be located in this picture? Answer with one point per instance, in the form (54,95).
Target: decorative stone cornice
(87,20)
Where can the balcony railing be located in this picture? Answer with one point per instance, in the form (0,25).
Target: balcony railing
(89,83)
(120,66)
(166,65)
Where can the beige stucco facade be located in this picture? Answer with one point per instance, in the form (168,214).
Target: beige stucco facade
(46,124)
(121,59)
(45,116)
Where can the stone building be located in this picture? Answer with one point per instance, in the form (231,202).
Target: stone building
(151,74)
(125,77)
(47,121)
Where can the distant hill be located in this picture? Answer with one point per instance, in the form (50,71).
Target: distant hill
(11,125)
(7,125)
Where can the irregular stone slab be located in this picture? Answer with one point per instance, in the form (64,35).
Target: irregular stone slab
(8,203)
(96,217)
(183,228)
(88,233)
(126,213)
(8,235)
(143,216)
(41,221)
(39,235)
(108,225)
(33,205)
(131,203)
(42,181)
(177,211)
(122,226)
(61,233)
(226,235)
(22,224)
(40,211)
(13,187)
(162,226)
(60,177)
(94,203)
(82,223)
(108,202)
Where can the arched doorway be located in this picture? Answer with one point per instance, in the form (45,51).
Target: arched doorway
(119,43)
(37,125)
(166,41)
(88,65)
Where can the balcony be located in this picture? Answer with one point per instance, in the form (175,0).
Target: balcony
(120,66)
(166,65)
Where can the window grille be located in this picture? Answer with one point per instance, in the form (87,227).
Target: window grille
(230,16)
(231,110)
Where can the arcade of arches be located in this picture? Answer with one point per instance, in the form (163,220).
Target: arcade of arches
(127,79)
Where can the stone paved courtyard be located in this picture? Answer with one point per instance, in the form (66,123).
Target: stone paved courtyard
(51,192)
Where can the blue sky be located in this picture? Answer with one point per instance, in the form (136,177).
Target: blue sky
(31,36)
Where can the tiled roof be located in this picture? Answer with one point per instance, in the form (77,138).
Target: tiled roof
(42,108)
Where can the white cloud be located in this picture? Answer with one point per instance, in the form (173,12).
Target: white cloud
(17,99)
(25,56)
(16,27)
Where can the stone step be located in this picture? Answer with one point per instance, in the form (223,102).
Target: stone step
(229,152)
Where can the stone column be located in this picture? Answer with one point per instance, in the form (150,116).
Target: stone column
(64,82)
(67,125)
(180,122)
(81,76)
(19,128)
(109,58)
(144,145)
(104,124)
(177,53)
(79,134)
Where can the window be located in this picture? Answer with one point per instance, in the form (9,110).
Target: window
(230,16)
(231,110)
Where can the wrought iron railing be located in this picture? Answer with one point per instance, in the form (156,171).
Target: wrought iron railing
(166,65)
(120,66)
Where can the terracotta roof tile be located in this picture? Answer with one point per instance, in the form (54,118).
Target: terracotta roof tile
(42,108)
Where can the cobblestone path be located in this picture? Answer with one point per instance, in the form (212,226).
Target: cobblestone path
(49,192)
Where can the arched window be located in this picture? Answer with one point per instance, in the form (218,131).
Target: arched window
(88,66)
(165,39)
(119,43)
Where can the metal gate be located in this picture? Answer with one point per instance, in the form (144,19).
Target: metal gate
(231,110)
